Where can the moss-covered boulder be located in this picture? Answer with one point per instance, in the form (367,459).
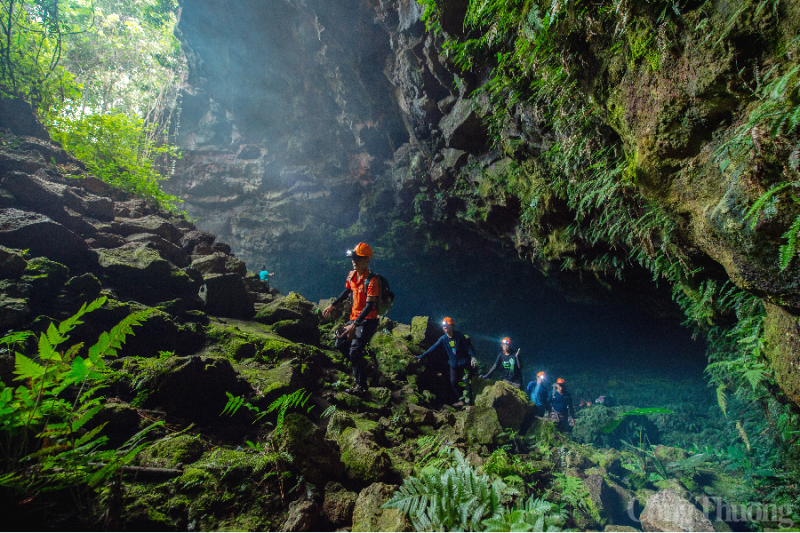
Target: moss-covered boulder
(424,331)
(782,348)
(303,331)
(170,452)
(291,307)
(14,312)
(513,407)
(392,355)
(337,423)
(339,504)
(669,511)
(12,264)
(316,459)
(226,295)
(363,459)
(193,388)
(139,272)
(271,383)
(478,425)
(368,515)
(303,515)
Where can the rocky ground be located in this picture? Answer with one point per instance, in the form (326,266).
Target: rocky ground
(217,331)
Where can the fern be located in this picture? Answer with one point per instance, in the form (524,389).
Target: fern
(454,499)
(722,399)
(287,401)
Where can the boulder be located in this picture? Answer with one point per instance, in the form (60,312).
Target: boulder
(303,331)
(14,312)
(12,264)
(315,458)
(337,424)
(225,295)
(137,271)
(219,263)
(17,116)
(147,224)
(368,515)
(41,236)
(303,516)
(513,407)
(134,208)
(170,452)
(339,504)
(424,331)
(291,307)
(478,425)
(392,355)
(191,239)
(363,459)
(105,240)
(193,388)
(600,496)
(669,511)
(43,195)
(165,249)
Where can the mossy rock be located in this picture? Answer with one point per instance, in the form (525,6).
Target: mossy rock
(424,331)
(46,278)
(368,515)
(392,354)
(12,263)
(303,331)
(14,312)
(339,504)
(171,451)
(338,422)
(291,307)
(478,425)
(194,479)
(363,459)
(513,407)
(314,458)
(270,384)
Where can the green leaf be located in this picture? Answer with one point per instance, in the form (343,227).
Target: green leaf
(27,369)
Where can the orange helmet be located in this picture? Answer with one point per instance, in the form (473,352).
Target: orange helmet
(540,374)
(560,381)
(448,320)
(506,340)
(362,249)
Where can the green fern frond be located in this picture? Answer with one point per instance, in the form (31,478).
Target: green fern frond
(722,399)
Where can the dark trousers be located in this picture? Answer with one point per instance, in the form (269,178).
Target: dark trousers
(355,350)
(457,375)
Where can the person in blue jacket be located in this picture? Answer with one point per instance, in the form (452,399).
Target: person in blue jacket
(539,393)
(264,276)
(562,412)
(460,355)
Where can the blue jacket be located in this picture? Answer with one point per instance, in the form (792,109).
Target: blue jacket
(562,403)
(538,392)
(458,358)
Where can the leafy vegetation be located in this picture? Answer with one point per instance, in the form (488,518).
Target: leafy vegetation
(103,76)
(530,55)
(48,440)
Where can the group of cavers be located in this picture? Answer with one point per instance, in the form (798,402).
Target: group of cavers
(369,301)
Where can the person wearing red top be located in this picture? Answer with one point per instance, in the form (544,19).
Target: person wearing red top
(363,321)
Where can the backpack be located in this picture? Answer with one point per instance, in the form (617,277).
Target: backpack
(385,296)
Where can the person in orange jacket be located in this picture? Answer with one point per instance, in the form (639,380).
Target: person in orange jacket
(363,321)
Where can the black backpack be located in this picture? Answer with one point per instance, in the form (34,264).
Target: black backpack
(385,296)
